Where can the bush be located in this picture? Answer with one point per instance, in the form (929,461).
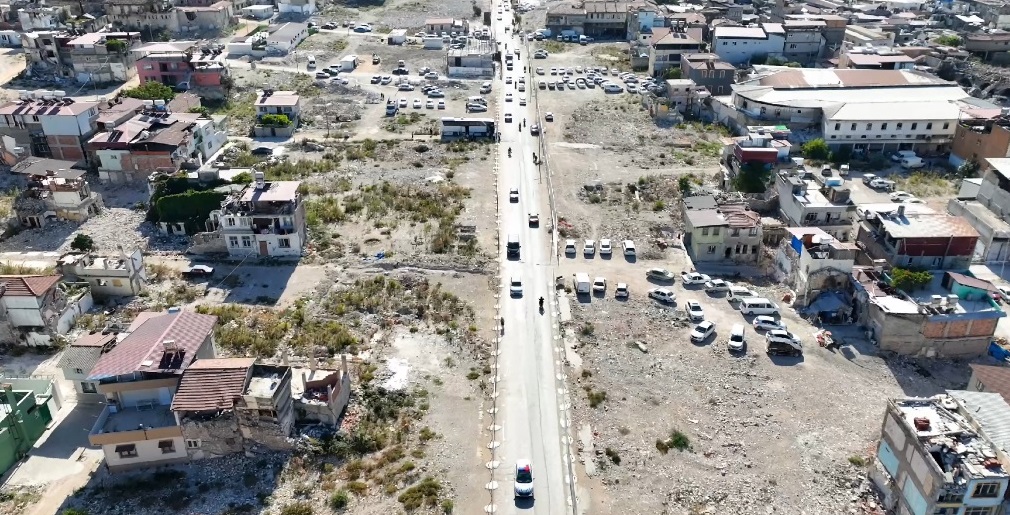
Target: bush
(816,149)
(612,454)
(151,91)
(275,120)
(447,506)
(340,499)
(948,40)
(752,178)
(298,508)
(679,441)
(83,243)
(684,185)
(115,45)
(662,446)
(858,461)
(909,280)
(423,493)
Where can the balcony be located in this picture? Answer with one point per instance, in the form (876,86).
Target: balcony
(147,421)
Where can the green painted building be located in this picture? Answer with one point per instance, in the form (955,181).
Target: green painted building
(24,416)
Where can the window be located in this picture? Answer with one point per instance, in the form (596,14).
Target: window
(946,125)
(233,241)
(247,241)
(711,249)
(914,126)
(704,231)
(899,125)
(753,231)
(853,127)
(869,126)
(753,249)
(838,126)
(715,231)
(127,451)
(78,370)
(192,444)
(166,446)
(986,490)
(88,387)
(736,232)
(883,126)
(929,126)
(978,510)
(284,243)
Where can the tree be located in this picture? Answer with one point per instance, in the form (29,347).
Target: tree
(83,243)
(752,178)
(909,280)
(116,45)
(674,73)
(968,168)
(684,185)
(816,149)
(476,9)
(275,120)
(152,90)
(948,40)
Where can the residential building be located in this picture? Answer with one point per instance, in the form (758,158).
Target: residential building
(721,232)
(48,124)
(953,316)
(53,193)
(991,379)
(151,16)
(921,111)
(980,139)
(606,19)
(806,201)
(476,60)
(36,310)
(155,140)
(139,378)
(907,239)
(683,94)
(41,18)
(803,40)
(446,25)
(709,72)
(270,102)
(232,405)
(667,47)
(45,54)
(321,395)
(80,357)
(741,45)
(566,17)
(107,276)
(812,262)
(865,36)
(875,58)
(988,212)
(183,66)
(101,57)
(265,219)
(937,459)
(286,38)
(305,7)
(202,15)
(24,416)
(989,46)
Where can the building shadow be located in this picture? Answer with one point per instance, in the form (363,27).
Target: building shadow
(70,434)
(261,284)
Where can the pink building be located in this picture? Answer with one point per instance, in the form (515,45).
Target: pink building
(182,65)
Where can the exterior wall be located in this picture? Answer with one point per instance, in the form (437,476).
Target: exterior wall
(878,132)
(708,243)
(80,379)
(742,50)
(803,46)
(217,437)
(969,145)
(23,311)
(148,454)
(717,81)
(666,55)
(910,467)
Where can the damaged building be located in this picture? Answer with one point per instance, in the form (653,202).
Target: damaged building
(54,191)
(937,456)
(321,394)
(813,262)
(952,316)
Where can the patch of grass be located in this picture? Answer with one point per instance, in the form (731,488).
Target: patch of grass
(427,434)
(858,461)
(298,508)
(926,184)
(447,506)
(595,397)
(357,488)
(587,329)
(552,46)
(424,493)
(244,331)
(289,171)
(340,499)
(679,441)
(613,455)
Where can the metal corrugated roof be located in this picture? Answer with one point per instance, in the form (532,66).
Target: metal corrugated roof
(990,411)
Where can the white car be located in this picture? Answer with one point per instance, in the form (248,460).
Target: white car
(540,71)
(694,278)
(508,97)
(783,342)
(913,200)
(403,102)
(417,103)
(899,196)
(514,195)
(629,246)
(441,104)
(508,79)
(429,104)
(554,71)
(702,331)
(508,117)
(516,287)
(621,292)
(524,472)
(522,101)
(659,274)
(694,311)
(569,246)
(600,284)
(736,338)
(589,248)
(717,286)
(605,248)
(662,295)
(548,116)
(767,323)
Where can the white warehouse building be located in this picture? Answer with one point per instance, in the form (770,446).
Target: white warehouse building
(865,110)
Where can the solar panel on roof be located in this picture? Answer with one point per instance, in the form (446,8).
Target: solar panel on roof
(55,110)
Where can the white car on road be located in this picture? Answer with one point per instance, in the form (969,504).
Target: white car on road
(516,287)
(694,278)
(662,295)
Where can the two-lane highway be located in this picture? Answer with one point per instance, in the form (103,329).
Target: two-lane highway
(529,407)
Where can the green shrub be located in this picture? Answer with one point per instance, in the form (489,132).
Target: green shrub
(298,508)
(340,499)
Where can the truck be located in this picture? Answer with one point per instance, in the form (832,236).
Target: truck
(581,283)
(912,162)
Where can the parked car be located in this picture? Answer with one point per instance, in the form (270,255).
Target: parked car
(717,286)
(913,200)
(476,108)
(589,248)
(627,245)
(516,287)
(535,129)
(569,246)
(695,311)
(868,178)
(767,323)
(621,292)
(322,75)
(694,278)
(662,295)
(600,284)
(783,342)
(605,248)
(534,220)
(702,331)
(659,274)
(196,271)
(899,196)
(508,116)
(882,184)
(736,338)
(441,104)
(548,116)
(262,151)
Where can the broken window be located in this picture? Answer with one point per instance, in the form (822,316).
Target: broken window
(127,451)
(986,490)
(166,446)
(88,387)
(192,444)
(284,243)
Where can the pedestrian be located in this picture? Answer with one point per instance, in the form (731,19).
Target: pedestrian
(382,96)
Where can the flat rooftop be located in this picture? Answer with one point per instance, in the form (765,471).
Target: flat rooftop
(957,449)
(132,419)
(921,300)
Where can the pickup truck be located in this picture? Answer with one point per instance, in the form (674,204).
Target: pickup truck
(882,184)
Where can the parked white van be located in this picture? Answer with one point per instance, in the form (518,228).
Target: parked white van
(758,306)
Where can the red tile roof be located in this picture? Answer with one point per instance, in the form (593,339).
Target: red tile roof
(28,285)
(212,384)
(994,379)
(143,350)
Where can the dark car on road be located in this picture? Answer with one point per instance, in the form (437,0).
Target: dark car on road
(198,271)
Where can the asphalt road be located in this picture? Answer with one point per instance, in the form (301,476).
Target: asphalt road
(529,408)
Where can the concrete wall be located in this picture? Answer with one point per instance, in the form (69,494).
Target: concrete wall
(148,454)
(912,470)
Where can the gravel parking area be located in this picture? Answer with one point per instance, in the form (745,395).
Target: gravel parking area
(716,432)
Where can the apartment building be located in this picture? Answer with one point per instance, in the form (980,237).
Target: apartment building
(447,25)
(928,241)
(806,201)
(148,15)
(741,45)
(101,57)
(48,124)
(803,40)
(667,47)
(265,219)
(205,15)
(813,262)
(139,378)
(857,36)
(938,456)
(53,189)
(121,275)
(709,72)
(183,66)
(990,46)
(566,17)
(305,7)
(721,232)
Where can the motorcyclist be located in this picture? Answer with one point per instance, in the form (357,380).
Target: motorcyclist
(541,303)
(510,151)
